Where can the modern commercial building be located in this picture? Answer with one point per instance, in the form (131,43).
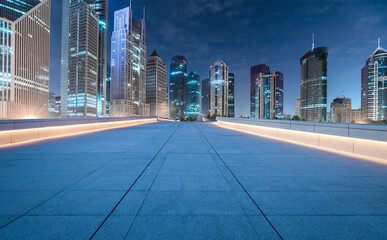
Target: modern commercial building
(156,86)
(314,85)
(108,81)
(298,107)
(270,95)
(341,110)
(193,94)
(24,58)
(231,95)
(177,79)
(254,74)
(128,66)
(206,96)
(101,8)
(53,106)
(219,89)
(374,86)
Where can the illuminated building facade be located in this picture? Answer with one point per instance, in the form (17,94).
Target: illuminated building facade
(341,110)
(128,66)
(177,79)
(374,86)
(193,94)
(313,98)
(231,95)
(206,96)
(270,95)
(156,86)
(219,89)
(108,80)
(254,74)
(24,59)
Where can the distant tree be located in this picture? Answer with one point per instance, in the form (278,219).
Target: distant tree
(295,117)
(208,115)
(182,119)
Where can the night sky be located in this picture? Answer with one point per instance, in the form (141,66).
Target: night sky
(246,33)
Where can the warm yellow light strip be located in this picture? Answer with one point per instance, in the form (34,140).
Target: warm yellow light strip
(19,137)
(375,151)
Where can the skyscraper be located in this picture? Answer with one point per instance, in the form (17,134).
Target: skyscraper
(108,81)
(177,79)
(128,65)
(219,89)
(193,94)
(156,86)
(206,96)
(314,85)
(298,107)
(254,74)
(374,86)
(341,109)
(24,58)
(101,8)
(231,95)
(269,100)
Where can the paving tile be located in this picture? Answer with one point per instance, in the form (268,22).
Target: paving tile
(116,227)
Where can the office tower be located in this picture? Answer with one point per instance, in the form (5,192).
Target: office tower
(219,89)
(24,59)
(178,77)
(270,95)
(193,94)
(206,96)
(156,86)
(128,66)
(53,112)
(341,110)
(314,84)
(298,106)
(108,81)
(254,74)
(101,8)
(374,86)
(82,78)
(231,95)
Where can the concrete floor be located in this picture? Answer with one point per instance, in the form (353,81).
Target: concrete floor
(172,180)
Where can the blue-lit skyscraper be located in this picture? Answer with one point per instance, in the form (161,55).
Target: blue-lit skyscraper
(128,66)
(254,74)
(177,79)
(270,95)
(374,86)
(192,94)
(219,89)
(314,85)
(206,96)
(13,9)
(231,95)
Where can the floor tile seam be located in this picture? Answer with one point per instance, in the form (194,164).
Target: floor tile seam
(219,157)
(135,181)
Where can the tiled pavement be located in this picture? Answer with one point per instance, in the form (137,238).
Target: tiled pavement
(172,180)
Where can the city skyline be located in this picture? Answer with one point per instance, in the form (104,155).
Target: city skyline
(350,43)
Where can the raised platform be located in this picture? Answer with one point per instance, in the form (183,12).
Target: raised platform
(172,180)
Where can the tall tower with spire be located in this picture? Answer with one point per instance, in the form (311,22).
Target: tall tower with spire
(374,86)
(128,65)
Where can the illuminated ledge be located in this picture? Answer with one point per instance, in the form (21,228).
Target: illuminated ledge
(21,136)
(365,148)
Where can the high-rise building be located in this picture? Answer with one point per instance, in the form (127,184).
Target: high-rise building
(219,89)
(156,86)
(374,86)
(341,108)
(314,85)
(128,65)
(82,64)
(269,100)
(231,95)
(101,8)
(193,94)
(206,96)
(298,107)
(108,81)
(24,58)
(177,79)
(254,74)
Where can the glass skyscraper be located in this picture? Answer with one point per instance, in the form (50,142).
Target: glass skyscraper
(206,96)
(24,58)
(314,85)
(254,74)
(193,94)
(219,89)
(128,66)
(231,95)
(156,86)
(270,95)
(177,79)
(374,86)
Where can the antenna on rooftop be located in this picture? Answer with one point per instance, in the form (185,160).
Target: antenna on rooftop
(378,42)
(312,41)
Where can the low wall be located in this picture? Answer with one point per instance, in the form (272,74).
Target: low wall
(368,140)
(26,130)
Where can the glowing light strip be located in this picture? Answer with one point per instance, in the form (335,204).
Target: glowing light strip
(77,130)
(251,129)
